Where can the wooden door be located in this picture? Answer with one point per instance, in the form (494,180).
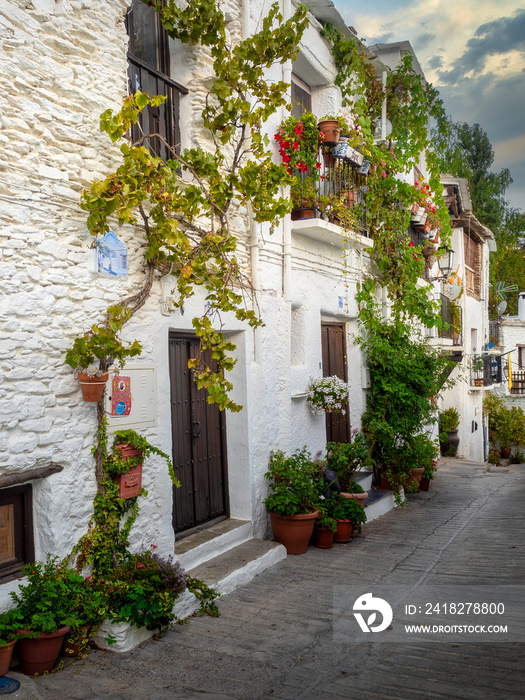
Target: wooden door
(334,363)
(199,443)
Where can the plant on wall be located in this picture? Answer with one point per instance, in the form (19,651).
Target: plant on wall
(187,220)
(410,103)
(405,374)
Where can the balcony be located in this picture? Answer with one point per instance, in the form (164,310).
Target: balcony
(518,383)
(485,370)
(337,197)
(451,317)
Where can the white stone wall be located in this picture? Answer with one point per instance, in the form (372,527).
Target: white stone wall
(62,64)
(466,399)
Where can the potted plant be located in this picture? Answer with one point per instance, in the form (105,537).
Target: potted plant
(477,367)
(142,589)
(448,431)
(325,528)
(304,198)
(125,463)
(298,141)
(89,605)
(347,459)
(348,513)
(293,498)
(327,395)
(329,129)
(101,343)
(45,613)
(9,634)
(420,452)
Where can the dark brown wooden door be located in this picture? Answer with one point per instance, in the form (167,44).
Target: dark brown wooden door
(334,363)
(199,443)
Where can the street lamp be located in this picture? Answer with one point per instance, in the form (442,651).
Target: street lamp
(445,262)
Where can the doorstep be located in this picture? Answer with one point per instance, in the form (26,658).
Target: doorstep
(378,503)
(206,544)
(364,479)
(234,568)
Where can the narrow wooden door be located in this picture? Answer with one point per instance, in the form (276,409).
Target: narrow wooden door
(334,363)
(199,443)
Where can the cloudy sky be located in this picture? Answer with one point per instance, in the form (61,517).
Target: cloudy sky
(473,51)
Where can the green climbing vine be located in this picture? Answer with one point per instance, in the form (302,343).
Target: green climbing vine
(411,102)
(185,204)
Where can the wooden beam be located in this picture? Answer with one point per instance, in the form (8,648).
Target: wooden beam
(30,475)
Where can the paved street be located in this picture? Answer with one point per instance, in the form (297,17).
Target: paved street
(274,638)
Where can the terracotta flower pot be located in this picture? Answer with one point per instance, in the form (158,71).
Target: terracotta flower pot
(294,531)
(424,484)
(330,131)
(75,649)
(415,477)
(40,654)
(303,213)
(358,496)
(6,652)
(344,531)
(92,387)
(505,452)
(324,538)
(130,482)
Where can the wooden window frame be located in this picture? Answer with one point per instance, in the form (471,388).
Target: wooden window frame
(473,281)
(22,499)
(307,90)
(155,80)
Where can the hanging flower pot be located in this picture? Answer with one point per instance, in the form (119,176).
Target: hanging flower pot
(92,387)
(129,483)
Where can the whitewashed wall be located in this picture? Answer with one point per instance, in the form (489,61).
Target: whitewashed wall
(61,64)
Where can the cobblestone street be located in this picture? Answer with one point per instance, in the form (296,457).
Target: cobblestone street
(274,638)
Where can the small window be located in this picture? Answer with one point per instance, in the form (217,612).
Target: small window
(149,71)
(301,97)
(521,356)
(16,530)
(473,250)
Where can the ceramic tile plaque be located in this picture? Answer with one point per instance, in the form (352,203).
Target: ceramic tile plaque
(111,256)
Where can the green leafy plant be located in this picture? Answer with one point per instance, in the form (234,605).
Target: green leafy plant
(10,622)
(493,457)
(102,343)
(295,483)
(303,193)
(348,458)
(142,590)
(448,419)
(506,423)
(116,464)
(326,522)
(342,508)
(50,599)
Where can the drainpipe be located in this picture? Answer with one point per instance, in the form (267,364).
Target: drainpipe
(287,224)
(383,107)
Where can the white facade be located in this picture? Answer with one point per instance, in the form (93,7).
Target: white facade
(465,396)
(62,64)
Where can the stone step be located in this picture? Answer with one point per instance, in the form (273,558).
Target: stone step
(234,568)
(364,479)
(195,549)
(378,503)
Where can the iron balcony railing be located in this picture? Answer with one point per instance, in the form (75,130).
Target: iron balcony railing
(485,370)
(339,193)
(451,317)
